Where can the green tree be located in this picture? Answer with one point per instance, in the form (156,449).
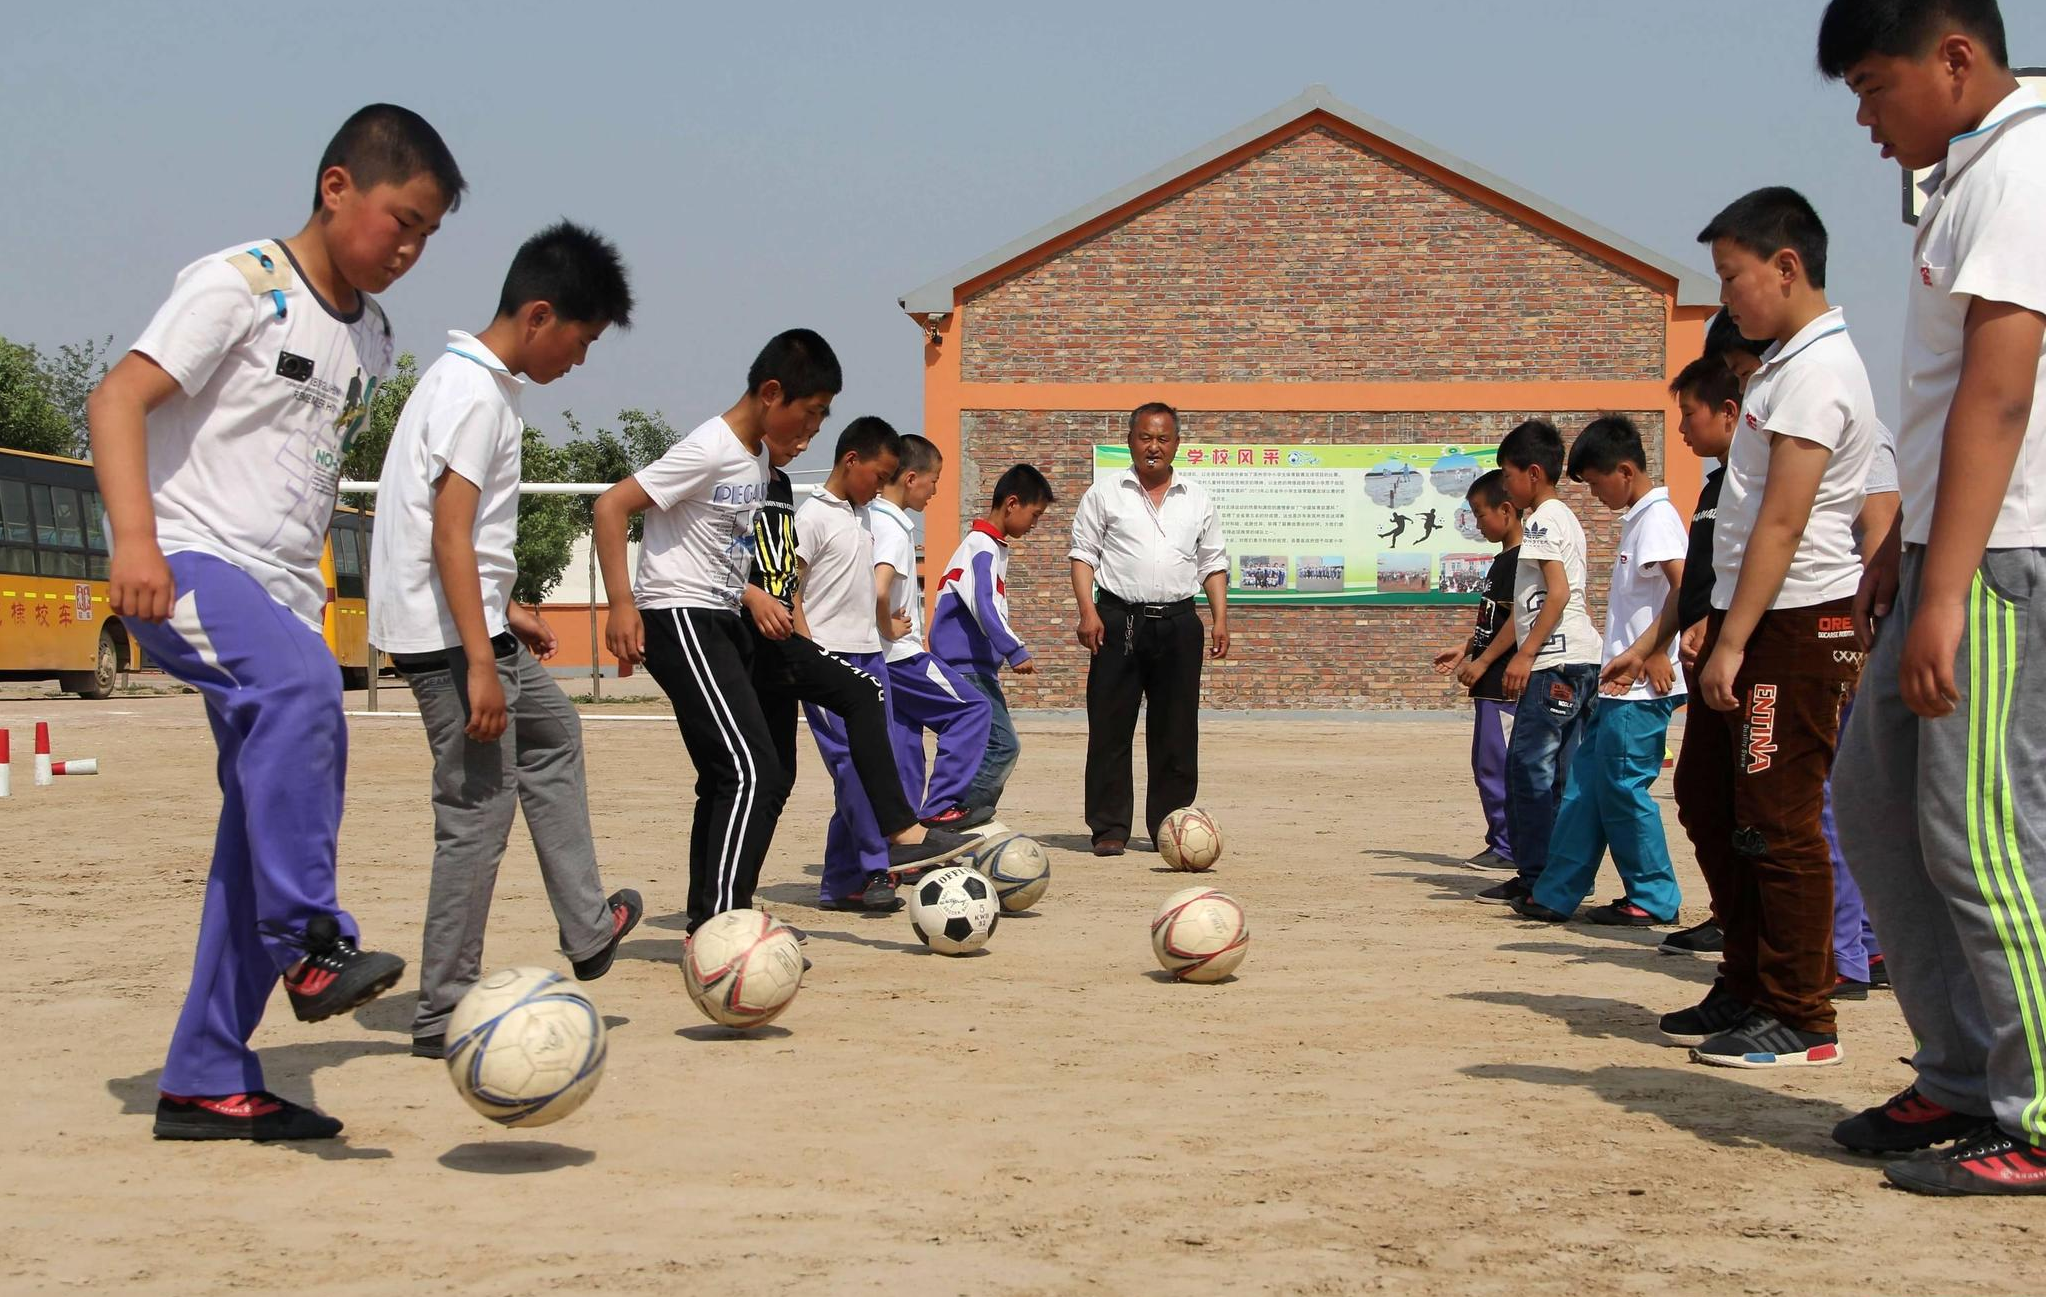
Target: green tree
(548,524)
(364,461)
(69,378)
(29,419)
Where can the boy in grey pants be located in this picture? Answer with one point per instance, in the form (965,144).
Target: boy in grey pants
(502,733)
(1940,787)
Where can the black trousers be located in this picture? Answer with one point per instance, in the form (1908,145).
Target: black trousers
(1155,661)
(796,670)
(703,660)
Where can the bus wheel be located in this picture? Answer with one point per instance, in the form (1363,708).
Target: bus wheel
(99,682)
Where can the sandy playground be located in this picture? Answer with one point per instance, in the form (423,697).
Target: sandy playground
(1402,1092)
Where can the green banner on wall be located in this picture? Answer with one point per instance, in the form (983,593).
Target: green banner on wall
(1312,524)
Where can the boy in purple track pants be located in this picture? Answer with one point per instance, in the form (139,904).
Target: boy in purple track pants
(835,609)
(218,442)
(1480,664)
(923,693)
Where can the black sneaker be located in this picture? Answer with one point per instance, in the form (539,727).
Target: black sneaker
(960,818)
(939,845)
(1987,1162)
(259,1116)
(1878,972)
(802,937)
(1506,893)
(1763,1041)
(335,977)
(1720,1010)
(1846,988)
(1705,939)
(430,1046)
(1529,908)
(1906,1123)
(878,898)
(625,908)
(1489,859)
(1623,913)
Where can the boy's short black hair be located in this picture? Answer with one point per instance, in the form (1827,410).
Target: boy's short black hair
(1489,491)
(919,454)
(1852,30)
(1723,336)
(869,437)
(1606,443)
(802,361)
(1534,444)
(1769,220)
(1708,381)
(1025,483)
(384,144)
(575,271)
(1154,407)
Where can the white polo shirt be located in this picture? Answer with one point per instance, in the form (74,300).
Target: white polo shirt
(837,553)
(462,418)
(1651,533)
(1144,552)
(1983,235)
(1813,388)
(895,547)
(697,549)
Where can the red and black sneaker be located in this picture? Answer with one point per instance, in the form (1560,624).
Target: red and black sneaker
(1906,1123)
(334,976)
(1987,1162)
(259,1116)
(1878,971)
(1623,913)
(959,818)
(626,907)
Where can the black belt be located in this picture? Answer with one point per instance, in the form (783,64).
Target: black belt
(501,646)
(1153,611)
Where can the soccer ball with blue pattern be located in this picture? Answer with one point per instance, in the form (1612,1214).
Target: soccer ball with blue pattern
(1017,866)
(525,1047)
(954,911)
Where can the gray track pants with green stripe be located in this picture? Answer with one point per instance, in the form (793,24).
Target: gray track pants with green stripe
(1943,823)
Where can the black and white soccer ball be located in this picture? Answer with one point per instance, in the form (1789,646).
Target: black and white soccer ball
(954,910)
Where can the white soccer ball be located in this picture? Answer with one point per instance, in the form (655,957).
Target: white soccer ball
(742,968)
(1189,840)
(1017,866)
(525,1047)
(1200,935)
(954,910)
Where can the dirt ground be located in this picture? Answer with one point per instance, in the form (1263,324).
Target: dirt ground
(1401,1092)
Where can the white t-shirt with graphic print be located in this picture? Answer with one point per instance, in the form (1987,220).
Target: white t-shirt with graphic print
(245,460)
(1553,532)
(698,546)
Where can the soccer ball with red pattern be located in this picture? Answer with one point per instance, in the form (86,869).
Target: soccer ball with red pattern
(742,967)
(1189,840)
(1200,935)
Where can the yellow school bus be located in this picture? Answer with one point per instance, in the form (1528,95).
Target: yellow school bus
(54,616)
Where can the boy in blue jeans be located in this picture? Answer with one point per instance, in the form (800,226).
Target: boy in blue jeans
(1607,802)
(970,630)
(218,442)
(1554,673)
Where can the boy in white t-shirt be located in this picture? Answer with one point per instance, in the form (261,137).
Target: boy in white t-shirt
(835,608)
(681,613)
(1553,674)
(1607,802)
(1941,781)
(502,733)
(1780,656)
(923,693)
(218,441)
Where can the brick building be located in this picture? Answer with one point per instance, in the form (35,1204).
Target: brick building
(1314,276)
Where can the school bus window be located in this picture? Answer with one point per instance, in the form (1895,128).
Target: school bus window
(98,567)
(57,563)
(45,514)
(17,560)
(95,523)
(14,521)
(70,520)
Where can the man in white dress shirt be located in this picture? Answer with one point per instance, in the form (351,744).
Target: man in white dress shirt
(1144,543)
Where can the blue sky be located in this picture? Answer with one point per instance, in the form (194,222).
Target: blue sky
(813,168)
